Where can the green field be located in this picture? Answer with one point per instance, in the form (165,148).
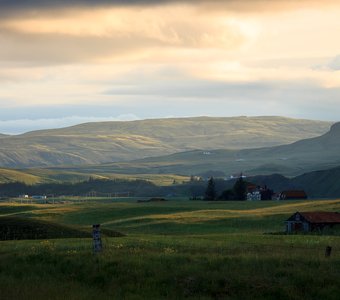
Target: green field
(176,249)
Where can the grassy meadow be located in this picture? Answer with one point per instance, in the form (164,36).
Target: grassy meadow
(176,249)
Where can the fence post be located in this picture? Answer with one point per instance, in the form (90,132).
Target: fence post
(97,241)
(328,251)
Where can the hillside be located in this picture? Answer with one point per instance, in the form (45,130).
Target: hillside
(16,228)
(324,184)
(291,160)
(7,175)
(317,184)
(95,143)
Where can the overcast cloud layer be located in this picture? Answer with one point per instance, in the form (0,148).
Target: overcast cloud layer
(63,62)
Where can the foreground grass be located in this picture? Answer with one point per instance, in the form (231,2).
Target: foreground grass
(159,268)
(175,250)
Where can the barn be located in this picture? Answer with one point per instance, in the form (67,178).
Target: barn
(312,221)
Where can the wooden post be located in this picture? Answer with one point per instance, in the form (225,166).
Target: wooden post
(97,241)
(328,251)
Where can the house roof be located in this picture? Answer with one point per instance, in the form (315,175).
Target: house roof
(320,217)
(294,193)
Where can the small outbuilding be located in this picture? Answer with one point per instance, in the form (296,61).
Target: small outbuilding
(312,221)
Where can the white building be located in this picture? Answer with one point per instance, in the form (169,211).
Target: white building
(254,196)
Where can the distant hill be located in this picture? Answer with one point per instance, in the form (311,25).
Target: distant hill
(291,160)
(7,175)
(325,183)
(317,184)
(96,143)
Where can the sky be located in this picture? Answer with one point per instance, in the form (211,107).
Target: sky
(69,62)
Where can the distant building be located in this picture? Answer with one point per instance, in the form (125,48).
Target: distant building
(254,196)
(24,196)
(292,195)
(312,221)
(237,176)
(255,192)
(39,197)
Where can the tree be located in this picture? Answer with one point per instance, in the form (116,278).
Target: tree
(210,192)
(240,189)
(227,195)
(267,194)
(197,190)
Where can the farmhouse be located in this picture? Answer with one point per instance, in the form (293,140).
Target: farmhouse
(256,192)
(312,221)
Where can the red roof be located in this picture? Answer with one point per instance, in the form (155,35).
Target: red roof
(295,193)
(321,217)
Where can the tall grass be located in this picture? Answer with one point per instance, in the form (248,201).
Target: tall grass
(223,256)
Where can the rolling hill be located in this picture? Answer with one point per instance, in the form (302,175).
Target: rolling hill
(7,175)
(96,143)
(317,184)
(290,160)
(320,184)
(22,228)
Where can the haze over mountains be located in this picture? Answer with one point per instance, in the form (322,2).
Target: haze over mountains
(95,143)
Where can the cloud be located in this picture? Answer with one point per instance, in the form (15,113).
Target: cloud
(196,89)
(111,34)
(334,64)
(182,98)
(63,48)
(159,58)
(34,6)
(121,31)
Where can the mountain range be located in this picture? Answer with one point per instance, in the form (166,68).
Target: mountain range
(290,160)
(104,142)
(294,165)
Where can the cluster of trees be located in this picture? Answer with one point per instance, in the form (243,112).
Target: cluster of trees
(93,187)
(216,189)
(237,192)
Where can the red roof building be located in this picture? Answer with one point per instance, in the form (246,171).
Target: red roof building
(292,194)
(312,221)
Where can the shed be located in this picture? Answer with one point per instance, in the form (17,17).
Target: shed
(311,221)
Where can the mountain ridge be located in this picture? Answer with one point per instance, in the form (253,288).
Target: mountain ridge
(96,143)
(290,160)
